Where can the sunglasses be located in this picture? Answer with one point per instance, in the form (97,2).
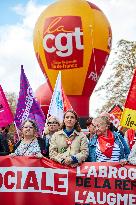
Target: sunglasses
(52,123)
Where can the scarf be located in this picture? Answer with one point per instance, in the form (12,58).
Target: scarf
(68,138)
(68,132)
(106,143)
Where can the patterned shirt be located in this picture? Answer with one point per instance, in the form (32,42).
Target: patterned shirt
(28,149)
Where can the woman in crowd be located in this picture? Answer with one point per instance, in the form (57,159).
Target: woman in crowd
(30,145)
(132,156)
(111,126)
(69,145)
(4,135)
(52,126)
(130,137)
(107,145)
(90,127)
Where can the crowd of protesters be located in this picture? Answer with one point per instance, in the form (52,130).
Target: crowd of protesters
(66,143)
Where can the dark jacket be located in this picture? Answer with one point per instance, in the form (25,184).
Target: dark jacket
(4,148)
(41,143)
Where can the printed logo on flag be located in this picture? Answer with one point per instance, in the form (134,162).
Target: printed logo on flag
(27,106)
(115,114)
(63,42)
(59,101)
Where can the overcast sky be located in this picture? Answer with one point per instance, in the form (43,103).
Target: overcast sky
(17,20)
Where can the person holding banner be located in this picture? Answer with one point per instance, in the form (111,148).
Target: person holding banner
(4,139)
(112,126)
(107,145)
(132,156)
(30,144)
(90,127)
(69,146)
(130,137)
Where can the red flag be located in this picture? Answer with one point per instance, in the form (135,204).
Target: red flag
(6,116)
(66,102)
(115,114)
(131,98)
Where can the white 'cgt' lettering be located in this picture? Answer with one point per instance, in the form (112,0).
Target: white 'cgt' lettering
(63,50)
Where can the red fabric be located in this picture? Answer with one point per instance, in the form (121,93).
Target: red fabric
(130,136)
(130,102)
(116,111)
(31,181)
(66,102)
(106,143)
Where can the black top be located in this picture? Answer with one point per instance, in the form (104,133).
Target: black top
(4,148)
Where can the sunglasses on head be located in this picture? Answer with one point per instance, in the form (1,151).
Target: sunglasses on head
(52,123)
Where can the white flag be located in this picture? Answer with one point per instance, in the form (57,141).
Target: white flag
(56,107)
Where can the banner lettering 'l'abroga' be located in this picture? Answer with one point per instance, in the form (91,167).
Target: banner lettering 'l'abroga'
(27,180)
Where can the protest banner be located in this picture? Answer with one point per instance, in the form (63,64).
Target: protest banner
(27,180)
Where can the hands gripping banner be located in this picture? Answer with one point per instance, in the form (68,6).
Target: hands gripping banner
(27,180)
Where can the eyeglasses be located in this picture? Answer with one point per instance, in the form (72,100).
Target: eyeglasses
(52,123)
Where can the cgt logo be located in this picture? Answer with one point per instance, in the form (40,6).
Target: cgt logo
(63,38)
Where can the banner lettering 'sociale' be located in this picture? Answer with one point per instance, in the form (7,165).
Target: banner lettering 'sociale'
(27,180)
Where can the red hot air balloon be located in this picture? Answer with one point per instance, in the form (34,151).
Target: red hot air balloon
(43,95)
(73,36)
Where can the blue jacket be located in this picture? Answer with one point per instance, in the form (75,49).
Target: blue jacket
(119,140)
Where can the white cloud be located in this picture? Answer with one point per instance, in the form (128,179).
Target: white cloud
(16,41)
(16,48)
(121,15)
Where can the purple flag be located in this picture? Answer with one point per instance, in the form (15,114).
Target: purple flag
(27,106)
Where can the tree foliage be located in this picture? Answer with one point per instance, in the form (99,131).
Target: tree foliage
(12,100)
(117,85)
